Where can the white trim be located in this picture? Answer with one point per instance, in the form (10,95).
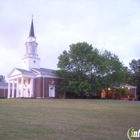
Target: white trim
(17,88)
(47,76)
(31,87)
(22,75)
(19,75)
(21,92)
(31,57)
(13,89)
(35,71)
(9,89)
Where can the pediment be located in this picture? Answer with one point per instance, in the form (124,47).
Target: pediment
(14,72)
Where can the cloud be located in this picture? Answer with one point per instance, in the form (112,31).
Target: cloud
(107,24)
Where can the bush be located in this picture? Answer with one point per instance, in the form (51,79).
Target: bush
(2,97)
(121,91)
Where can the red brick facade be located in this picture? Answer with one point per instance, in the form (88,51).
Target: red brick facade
(41,87)
(38,87)
(3,92)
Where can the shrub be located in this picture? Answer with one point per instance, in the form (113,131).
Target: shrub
(2,97)
(121,91)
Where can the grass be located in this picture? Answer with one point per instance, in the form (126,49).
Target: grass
(67,119)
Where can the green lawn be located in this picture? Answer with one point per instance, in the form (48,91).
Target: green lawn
(67,119)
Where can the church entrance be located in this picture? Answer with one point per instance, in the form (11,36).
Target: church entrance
(51,91)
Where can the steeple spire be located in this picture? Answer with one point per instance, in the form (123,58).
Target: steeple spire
(31,33)
(31,59)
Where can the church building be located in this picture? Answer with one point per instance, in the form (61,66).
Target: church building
(32,81)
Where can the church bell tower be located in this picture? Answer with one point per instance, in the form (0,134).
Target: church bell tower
(31,59)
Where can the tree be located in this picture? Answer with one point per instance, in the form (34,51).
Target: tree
(86,70)
(75,68)
(2,78)
(135,65)
(135,74)
(128,76)
(121,91)
(113,74)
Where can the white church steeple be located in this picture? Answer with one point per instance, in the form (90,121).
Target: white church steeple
(31,59)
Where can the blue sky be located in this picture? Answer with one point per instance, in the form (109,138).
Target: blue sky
(113,25)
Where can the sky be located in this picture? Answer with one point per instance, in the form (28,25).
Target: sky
(112,25)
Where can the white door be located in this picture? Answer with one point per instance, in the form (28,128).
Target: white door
(51,91)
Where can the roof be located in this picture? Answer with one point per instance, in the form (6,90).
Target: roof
(44,71)
(130,86)
(31,33)
(3,84)
(33,72)
(24,71)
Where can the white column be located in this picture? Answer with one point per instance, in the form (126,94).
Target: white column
(9,89)
(21,87)
(31,87)
(17,90)
(13,88)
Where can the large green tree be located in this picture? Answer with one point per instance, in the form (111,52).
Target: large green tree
(76,68)
(134,74)
(85,69)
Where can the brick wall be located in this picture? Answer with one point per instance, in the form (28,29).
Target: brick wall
(41,82)
(47,82)
(62,95)
(38,87)
(3,92)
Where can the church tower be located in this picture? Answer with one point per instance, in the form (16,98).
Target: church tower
(31,59)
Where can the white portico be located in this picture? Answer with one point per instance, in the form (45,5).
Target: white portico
(22,83)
